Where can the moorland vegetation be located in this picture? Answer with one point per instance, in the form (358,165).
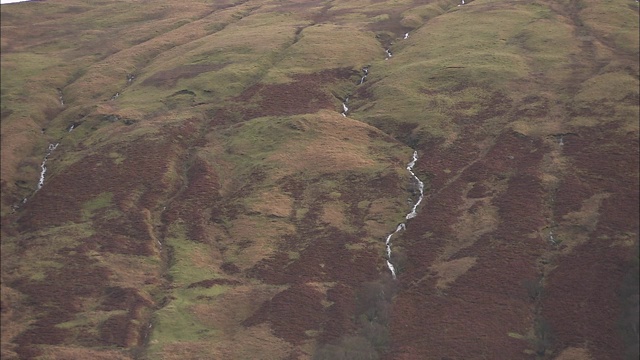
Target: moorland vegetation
(207,199)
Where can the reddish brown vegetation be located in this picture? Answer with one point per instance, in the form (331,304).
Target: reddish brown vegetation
(338,315)
(135,185)
(198,195)
(169,78)
(118,298)
(291,313)
(307,94)
(472,317)
(323,257)
(60,294)
(211,282)
(582,301)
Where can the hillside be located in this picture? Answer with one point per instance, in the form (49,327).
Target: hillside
(215,179)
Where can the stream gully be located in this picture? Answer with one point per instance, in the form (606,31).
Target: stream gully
(52,147)
(43,166)
(414,210)
(409,216)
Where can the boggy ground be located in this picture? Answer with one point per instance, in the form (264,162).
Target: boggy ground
(221,207)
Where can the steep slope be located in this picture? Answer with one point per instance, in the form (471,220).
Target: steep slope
(217,179)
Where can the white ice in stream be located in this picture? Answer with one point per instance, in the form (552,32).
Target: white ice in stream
(43,166)
(389,55)
(411,215)
(406,36)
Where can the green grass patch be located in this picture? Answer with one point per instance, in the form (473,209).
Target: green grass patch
(255,140)
(101,201)
(184,270)
(89,318)
(610,86)
(327,46)
(45,251)
(175,322)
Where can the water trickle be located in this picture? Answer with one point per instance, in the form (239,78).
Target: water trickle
(411,215)
(43,166)
(410,166)
(345,108)
(365,71)
(406,36)
(60,98)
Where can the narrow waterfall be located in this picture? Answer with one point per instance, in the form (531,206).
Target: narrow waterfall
(43,166)
(411,215)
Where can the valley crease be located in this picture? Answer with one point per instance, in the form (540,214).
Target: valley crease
(410,165)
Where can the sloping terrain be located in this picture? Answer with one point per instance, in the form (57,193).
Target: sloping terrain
(216,179)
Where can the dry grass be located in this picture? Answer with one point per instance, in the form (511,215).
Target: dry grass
(448,271)
(477,217)
(80,353)
(333,213)
(258,342)
(327,46)
(225,313)
(13,321)
(344,147)
(129,271)
(241,165)
(261,236)
(576,226)
(17,139)
(574,353)
(272,203)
